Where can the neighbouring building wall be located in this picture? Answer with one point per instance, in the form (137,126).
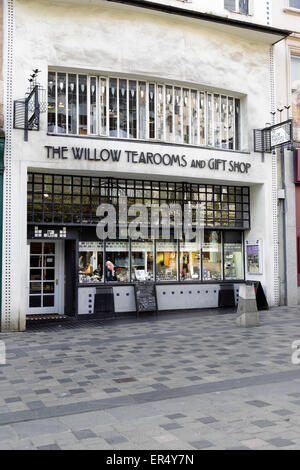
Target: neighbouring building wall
(1,64)
(286,14)
(254,11)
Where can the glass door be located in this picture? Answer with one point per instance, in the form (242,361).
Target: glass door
(44,278)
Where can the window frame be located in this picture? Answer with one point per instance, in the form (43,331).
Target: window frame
(102,110)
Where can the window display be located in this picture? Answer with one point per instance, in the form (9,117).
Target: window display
(166,261)
(142,261)
(233,256)
(117,261)
(212,256)
(90,262)
(190,262)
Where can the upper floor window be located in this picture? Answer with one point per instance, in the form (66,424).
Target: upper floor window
(294,4)
(136,109)
(295,76)
(239,6)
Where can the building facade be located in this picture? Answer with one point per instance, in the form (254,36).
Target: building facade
(162,112)
(287,73)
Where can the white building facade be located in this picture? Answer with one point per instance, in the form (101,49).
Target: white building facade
(152,102)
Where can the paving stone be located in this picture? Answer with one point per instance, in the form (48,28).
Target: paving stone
(176,416)
(279,442)
(201,444)
(283,412)
(207,420)
(84,434)
(258,403)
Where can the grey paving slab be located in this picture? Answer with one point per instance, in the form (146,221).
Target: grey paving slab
(167,381)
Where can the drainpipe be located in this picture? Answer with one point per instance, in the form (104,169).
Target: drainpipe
(2,143)
(284,226)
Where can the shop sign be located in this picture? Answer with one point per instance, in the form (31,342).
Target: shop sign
(280,135)
(145,158)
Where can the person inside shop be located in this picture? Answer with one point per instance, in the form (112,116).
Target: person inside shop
(98,272)
(109,271)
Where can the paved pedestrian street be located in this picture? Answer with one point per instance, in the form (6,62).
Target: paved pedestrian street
(177,381)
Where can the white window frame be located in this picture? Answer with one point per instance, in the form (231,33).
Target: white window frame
(206,93)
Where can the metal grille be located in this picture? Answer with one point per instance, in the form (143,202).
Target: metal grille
(73,200)
(262,140)
(27,113)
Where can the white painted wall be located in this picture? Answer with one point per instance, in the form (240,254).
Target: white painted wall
(109,39)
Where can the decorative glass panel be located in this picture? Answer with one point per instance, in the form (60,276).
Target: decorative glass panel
(113,107)
(160,112)
(51,102)
(224,122)
(152,111)
(186,115)
(217,120)
(132,110)
(230,123)
(169,113)
(209,120)
(103,106)
(194,117)
(142,110)
(123,108)
(178,114)
(202,113)
(61,100)
(72,103)
(237,123)
(93,105)
(82,104)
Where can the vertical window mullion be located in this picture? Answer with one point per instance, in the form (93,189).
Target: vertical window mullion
(88,84)
(137,110)
(181,115)
(67,103)
(234,129)
(173,137)
(118,107)
(190,116)
(77,101)
(56,103)
(128,91)
(227,121)
(107,105)
(155,110)
(198,116)
(164,113)
(147,112)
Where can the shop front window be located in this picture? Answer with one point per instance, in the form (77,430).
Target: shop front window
(190,261)
(166,261)
(233,256)
(90,262)
(212,256)
(117,261)
(142,255)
